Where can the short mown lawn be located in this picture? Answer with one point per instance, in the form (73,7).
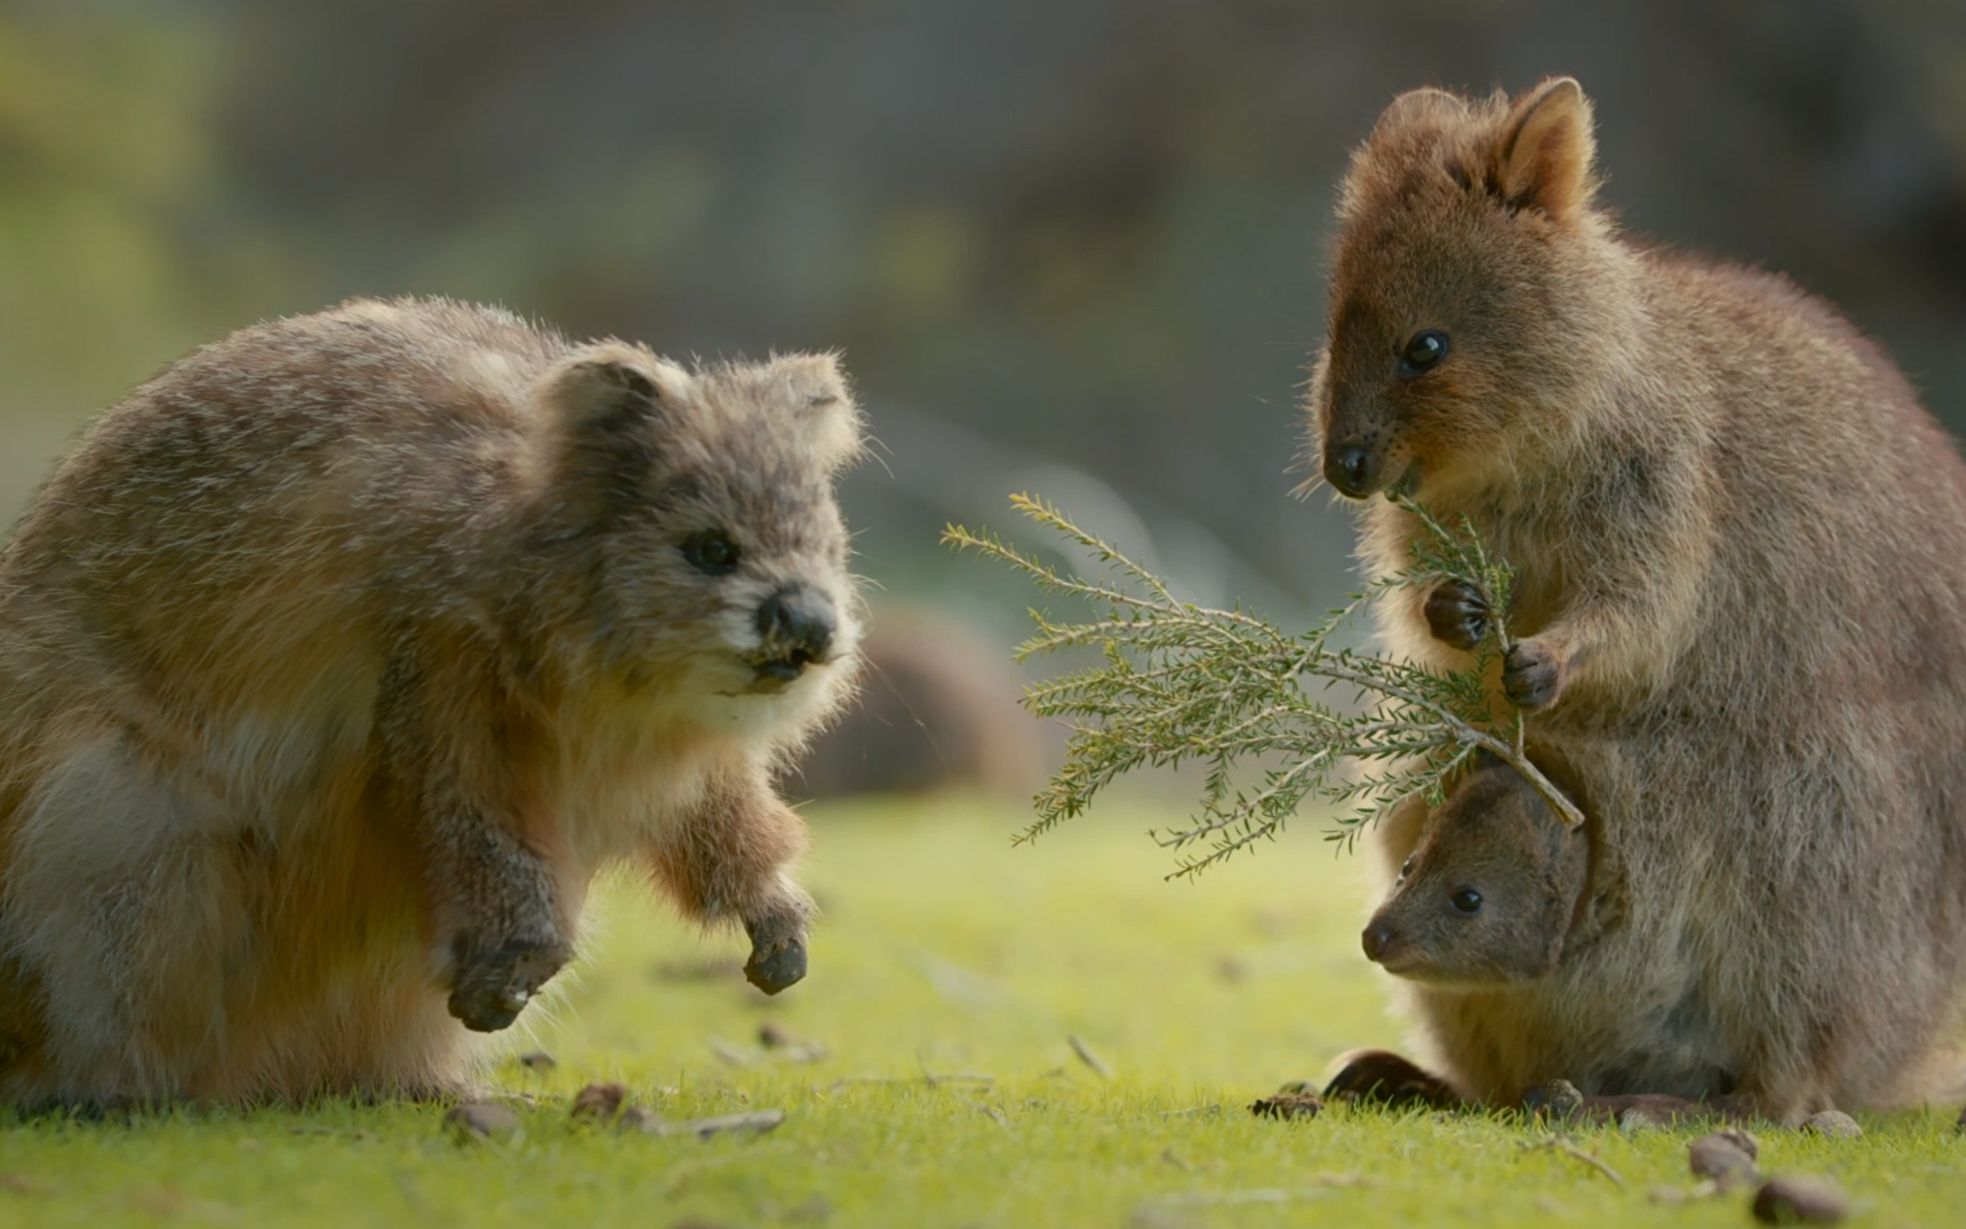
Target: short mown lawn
(928,1075)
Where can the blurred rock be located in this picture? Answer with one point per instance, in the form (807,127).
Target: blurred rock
(938,710)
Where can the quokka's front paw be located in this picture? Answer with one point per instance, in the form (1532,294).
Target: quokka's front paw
(778,949)
(493,984)
(1532,675)
(1457,616)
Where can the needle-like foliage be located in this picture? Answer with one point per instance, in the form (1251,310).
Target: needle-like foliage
(1276,718)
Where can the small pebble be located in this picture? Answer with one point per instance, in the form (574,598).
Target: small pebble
(772,1036)
(476,1120)
(538,1060)
(1798,1200)
(1741,1138)
(1834,1123)
(635,1118)
(1720,1158)
(603,1101)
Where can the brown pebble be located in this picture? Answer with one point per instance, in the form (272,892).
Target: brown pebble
(538,1060)
(1741,1138)
(1798,1200)
(1720,1158)
(635,1118)
(772,1036)
(1297,1099)
(480,1120)
(1834,1123)
(603,1101)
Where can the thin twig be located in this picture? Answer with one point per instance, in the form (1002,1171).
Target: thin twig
(1090,1059)
(1559,1144)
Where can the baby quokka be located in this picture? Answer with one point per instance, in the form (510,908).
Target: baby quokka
(1489,893)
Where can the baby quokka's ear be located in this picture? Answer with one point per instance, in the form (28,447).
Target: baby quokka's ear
(1543,156)
(813,389)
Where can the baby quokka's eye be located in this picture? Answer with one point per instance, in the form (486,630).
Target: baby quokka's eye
(1467,901)
(1423,353)
(1405,869)
(711,552)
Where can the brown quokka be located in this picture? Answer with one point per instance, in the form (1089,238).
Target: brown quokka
(1489,893)
(1740,604)
(337,659)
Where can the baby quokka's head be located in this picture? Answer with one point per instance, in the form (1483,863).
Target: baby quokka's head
(1488,896)
(704,538)
(1473,292)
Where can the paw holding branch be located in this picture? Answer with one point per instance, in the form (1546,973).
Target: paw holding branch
(1533,672)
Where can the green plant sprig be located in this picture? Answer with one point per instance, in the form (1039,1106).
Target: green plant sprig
(1179,683)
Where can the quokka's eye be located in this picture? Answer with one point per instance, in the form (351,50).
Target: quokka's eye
(1422,353)
(1467,900)
(711,552)
(1405,869)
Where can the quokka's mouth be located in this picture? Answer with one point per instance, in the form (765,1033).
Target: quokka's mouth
(773,675)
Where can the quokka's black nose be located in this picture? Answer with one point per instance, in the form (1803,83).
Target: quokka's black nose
(1379,940)
(797,625)
(1349,468)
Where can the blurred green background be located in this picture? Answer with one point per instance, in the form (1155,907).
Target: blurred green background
(1082,234)
(1071,247)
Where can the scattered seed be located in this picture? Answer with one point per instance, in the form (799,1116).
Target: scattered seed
(538,1060)
(1834,1123)
(475,1120)
(1799,1200)
(603,1101)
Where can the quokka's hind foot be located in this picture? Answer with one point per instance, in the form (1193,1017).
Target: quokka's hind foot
(1380,1077)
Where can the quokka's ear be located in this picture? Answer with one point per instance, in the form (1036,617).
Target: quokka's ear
(1543,159)
(1426,105)
(607,402)
(812,387)
(607,387)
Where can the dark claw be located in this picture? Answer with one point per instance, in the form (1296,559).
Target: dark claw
(1457,616)
(774,970)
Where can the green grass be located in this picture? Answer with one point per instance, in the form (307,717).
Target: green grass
(946,951)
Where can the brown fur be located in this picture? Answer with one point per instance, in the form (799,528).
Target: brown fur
(1495,837)
(1742,555)
(337,659)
